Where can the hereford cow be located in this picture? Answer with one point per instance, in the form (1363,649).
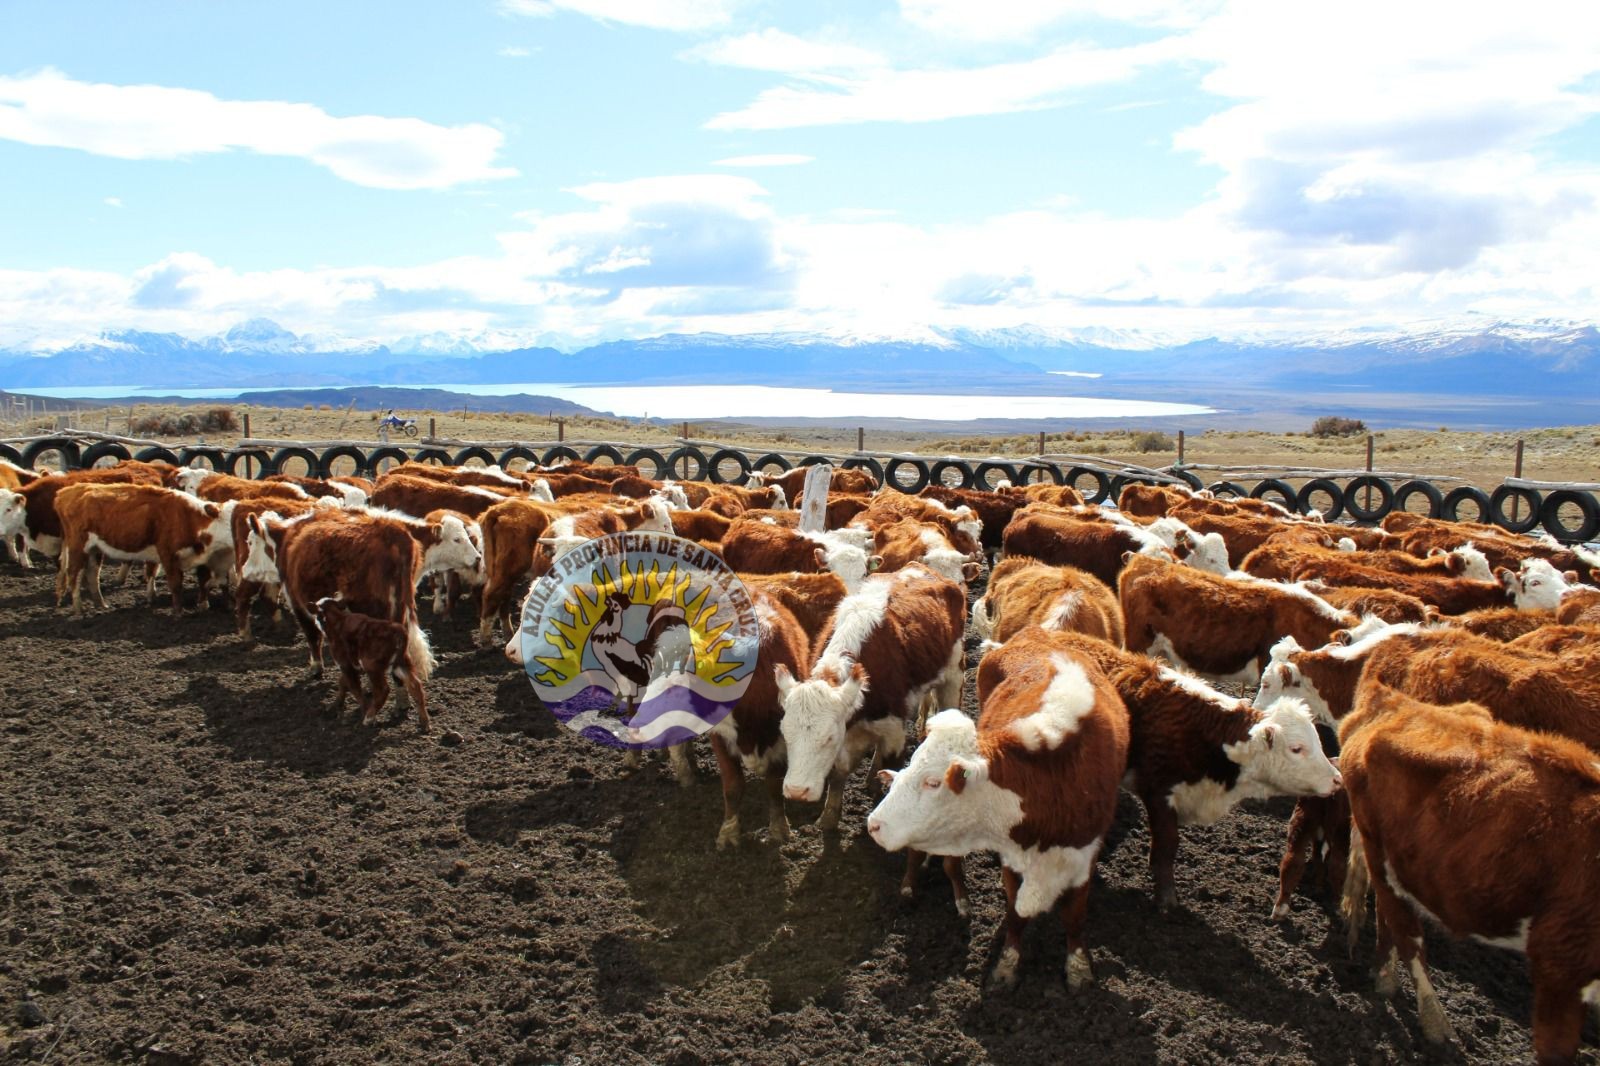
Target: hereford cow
(749,739)
(247,590)
(907,542)
(418,496)
(759,548)
(1488,829)
(349,491)
(361,644)
(1040,492)
(793,483)
(1023,592)
(960,525)
(206,484)
(811,598)
(1035,779)
(1094,546)
(1194,753)
(34,518)
(1214,625)
(136,523)
(889,646)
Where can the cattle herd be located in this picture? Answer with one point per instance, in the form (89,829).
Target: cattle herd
(1428,691)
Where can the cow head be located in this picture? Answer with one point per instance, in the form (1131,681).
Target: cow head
(352,497)
(943,801)
(851,563)
(13,513)
(1538,587)
(658,516)
(261,558)
(327,610)
(454,549)
(673,493)
(1203,551)
(540,490)
(780,500)
(815,714)
(1284,754)
(189,478)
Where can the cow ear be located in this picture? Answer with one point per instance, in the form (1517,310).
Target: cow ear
(1504,576)
(784,678)
(1434,551)
(875,563)
(1341,636)
(858,672)
(1269,734)
(822,558)
(886,778)
(1127,557)
(212,510)
(1571,576)
(1456,564)
(955,777)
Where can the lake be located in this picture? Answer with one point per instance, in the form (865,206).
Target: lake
(742,401)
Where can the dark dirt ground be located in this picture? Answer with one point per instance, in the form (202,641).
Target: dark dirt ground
(198,864)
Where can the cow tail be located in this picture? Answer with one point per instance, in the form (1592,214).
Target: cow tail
(1357,881)
(418,651)
(982,623)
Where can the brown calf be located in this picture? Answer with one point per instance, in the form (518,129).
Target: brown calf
(361,644)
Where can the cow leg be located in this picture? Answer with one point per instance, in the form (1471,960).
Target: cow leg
(1004,975)
(174,582)
(1163,849)
(439,607)
(777,819)
(244,595)
(92,574)
(682,764)
(958,884)
(69,578)
(833,805)
(732,775)
(1074,916)
(379,697)
(123,573)
(913,874)
(308,626)
(1405,929)
(1557,1016)
(349,682)
(63,564)
(202,578)
(150,572)
(1295,854)
(17,547)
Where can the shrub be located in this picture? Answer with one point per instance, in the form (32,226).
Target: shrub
(219,420)
(1331,426)
(1152,441)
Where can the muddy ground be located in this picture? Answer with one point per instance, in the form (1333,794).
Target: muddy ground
(199,864)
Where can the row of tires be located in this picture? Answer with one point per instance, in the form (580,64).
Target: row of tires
(1570,515)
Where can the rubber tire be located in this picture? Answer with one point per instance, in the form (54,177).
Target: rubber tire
(714,467)
(650,455)
(603,451)
(1189,479)
(474,452)
(156,454)
(814,460)
(1549,514)
(1049,474)
(215,456)
(1497,508)
(1302,499)
(980,476)
(378,455)
(432,455)
(560,451)
(870,465)
(10,454)
(65,448)
(106,449)
(687,452)
(937,470)
(1363,514)
(1425,489)
(1279,488)
(283,455)
(1232,488)
(1102,483)
(515,452)
(1450,509)
(892,480)
(236,459)
(341,451)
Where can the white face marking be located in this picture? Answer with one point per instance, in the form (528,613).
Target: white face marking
(13,513)
(189,478)
(815,713)
(1539,587)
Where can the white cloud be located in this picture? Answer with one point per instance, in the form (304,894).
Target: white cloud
(784,53)
(772,160)
(155,122)
(512,51)
(1009,20)
(113,201)
(929,95)
(679,15)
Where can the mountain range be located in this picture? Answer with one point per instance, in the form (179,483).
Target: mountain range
(1549,371)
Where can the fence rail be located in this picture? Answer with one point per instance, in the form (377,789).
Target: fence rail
(1568,512)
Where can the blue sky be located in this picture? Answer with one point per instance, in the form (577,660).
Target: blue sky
(564,171)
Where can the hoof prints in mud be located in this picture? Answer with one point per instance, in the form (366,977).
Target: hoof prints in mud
(198,863)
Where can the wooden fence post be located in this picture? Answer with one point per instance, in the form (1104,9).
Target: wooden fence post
(1516,501)
(1180,447)
(1041,442)
(433,430)
(246,425)
(861,439)
(561,430)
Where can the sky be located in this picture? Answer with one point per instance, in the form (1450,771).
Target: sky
(570,171)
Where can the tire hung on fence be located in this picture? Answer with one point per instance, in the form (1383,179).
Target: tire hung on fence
(1355,505)
(1450,508)
(10,454)
(981,476)
(157,454)
(1222,490)
(1193,481)
(282,456)
(603,451)
(106,449)
(892,475)
(1041,474)
(215,458)
(1284,492)
(937,472)
(728,455)
(558,453)
(870,465)
(1428,491)
(377,455)
(515,452)
(1102,483)
(1588,511)
(657,461)
(341,451)
(237,463)
(432,455)
(60,445)
(678,464)
(1501,516)
(1305,500)
(779,464)
(465,455)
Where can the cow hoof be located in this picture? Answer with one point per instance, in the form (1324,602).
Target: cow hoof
(1080,975)
(779,831)
(1280,912)
(1435,1026)
(728,835)
(1387,983)
(829,822)
(963,908)
(907,893)
(1003,978)
(1166,900)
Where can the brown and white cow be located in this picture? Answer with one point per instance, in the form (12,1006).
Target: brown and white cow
(1093,545)
(207,484)
(1034,779)
(419,496)
(1217,626)
(759,548)
(136,523)
(1194,753)
(1023,592)
(908,541)
(888,647)
(750,739)
(363,645)
(811,598)
(1488,829)
(30,511)
(248,589)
